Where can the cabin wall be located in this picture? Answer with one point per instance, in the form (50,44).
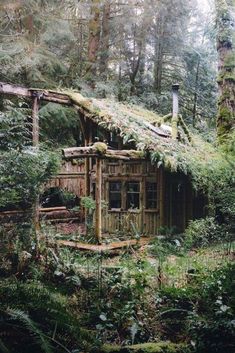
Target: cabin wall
(139,220)
(181,202)
(175,203)
(71,177)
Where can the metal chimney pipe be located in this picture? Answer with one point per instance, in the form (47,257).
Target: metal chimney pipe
(175,94)
(175,110)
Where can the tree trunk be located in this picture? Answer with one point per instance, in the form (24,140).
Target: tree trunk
(195,96)
(158,54)
(226,67)
(94,36)
(104,47)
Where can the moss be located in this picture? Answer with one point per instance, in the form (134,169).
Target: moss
(226,95)
(109,348)
(160,347)
(226,76)
(229,61)
(131,123)
(225,114)
(100,147)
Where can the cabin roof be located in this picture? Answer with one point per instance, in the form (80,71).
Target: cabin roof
(149,132)
(145,128)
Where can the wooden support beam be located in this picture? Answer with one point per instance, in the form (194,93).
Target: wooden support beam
(35,122)
(161,198)
(86,135)
(7,88)
(98,199)
(35,140)
(103,152)
(50,96)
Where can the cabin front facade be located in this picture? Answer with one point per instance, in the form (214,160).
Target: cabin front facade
(142,198)
(137,196)
(131,162)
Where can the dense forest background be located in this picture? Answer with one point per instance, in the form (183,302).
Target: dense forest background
(175,295)
(129,50)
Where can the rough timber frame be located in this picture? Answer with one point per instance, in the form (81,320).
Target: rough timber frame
(37,95)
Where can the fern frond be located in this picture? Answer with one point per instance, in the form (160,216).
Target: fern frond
(32,327)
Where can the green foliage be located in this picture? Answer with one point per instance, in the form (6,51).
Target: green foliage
(166,245)
(88,202)
(22,173)
(116,311)
(59,126)
(26,326)
(212,324)
(160,347)
(14,128)
(38,317)
(203,232)
(22,168)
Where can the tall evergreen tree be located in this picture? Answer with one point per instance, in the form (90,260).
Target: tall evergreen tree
(226,66)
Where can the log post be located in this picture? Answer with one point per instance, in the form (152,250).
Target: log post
(85,132)
(98,197)
(35,122)
(161,194)
(35,141)
(175,110)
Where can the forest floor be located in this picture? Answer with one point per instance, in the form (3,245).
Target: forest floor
(177,268)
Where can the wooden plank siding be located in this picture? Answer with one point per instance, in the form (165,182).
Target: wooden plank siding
(141,220)
(71,177)
(174,195)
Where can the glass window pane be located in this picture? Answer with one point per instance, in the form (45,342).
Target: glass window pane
(151,195)
(133,187)
(115,197)
(133,195)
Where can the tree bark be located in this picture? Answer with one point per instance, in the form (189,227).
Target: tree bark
(94,36)
(158,54)
(226,66)
(105,35)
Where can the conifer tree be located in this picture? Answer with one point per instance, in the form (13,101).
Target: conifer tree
(226,66)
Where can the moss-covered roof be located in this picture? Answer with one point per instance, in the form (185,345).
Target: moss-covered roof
(138,125)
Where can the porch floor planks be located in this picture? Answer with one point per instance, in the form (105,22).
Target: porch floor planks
(104,247)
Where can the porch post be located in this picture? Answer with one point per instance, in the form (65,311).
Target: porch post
(35,122)
(35,141)
(98,197)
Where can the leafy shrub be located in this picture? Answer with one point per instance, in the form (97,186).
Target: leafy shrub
(203,232)
(212,325)
(39,319)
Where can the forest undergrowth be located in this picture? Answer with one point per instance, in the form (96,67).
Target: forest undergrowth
(171,297)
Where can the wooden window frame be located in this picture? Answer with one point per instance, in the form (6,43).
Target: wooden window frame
(116,192)
(128,192)
(147,208)
(124,191)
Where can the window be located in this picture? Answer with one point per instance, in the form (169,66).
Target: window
(151,195)
(133,194)
(115,196)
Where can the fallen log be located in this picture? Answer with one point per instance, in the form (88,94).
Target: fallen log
(51,209)
(104,247)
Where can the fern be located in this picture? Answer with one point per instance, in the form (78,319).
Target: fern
(31,327)
(45,313)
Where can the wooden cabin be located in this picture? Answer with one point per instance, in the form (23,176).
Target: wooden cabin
(137,197)
(133,162)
